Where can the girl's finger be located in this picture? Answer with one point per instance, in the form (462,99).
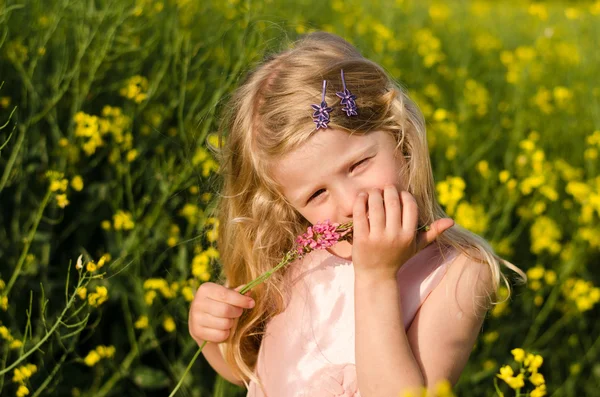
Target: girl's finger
(435,230)
(225,310)
(210,321)
(376,212)
(393,209)
(410,212)
(359,216)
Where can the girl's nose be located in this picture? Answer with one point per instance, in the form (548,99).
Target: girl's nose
(346,201)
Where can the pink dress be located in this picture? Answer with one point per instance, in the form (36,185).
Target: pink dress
(308,349)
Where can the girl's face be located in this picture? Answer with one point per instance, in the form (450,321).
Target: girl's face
(322,178)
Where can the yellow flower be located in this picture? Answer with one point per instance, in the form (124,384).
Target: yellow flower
(443,388)
(15,344)
(4,303)
(149,297)
(135,88)
(450,192)
(484,168)
(77,183)
(519,354)
(61,200)
(122,220)
(97,298)
(22,391)
(132,155)
(103,259)
(545,236)
(533,362)
(472,217)
(23,373)
(105,351)
(91,266)
(81,292)
(516,382)
(169,324)
(105,225)
(141,322)
(490,337)
(187,293)
(92,358)
(57,185)
(539,391)
(505,372)
(535,273)
(5,333)
(537,379)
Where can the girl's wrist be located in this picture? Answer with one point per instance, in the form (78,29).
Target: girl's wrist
(370,277)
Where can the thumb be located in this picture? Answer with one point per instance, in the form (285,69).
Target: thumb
(435,230)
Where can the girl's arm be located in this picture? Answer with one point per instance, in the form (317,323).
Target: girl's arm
(385,363)
(213,355)
(390,360)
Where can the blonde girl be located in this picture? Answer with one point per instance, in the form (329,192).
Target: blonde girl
(386,313)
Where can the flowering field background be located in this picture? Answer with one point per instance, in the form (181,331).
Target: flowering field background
(107,115)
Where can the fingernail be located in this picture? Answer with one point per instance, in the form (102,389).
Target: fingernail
(251,303)
(362,194)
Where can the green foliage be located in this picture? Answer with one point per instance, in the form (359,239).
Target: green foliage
(107,117)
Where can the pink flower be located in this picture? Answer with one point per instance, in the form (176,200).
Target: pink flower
(322,235)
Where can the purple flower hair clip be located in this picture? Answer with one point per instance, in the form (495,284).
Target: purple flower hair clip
(348,99)
(321,113)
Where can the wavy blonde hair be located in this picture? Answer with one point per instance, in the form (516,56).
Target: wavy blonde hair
(268,116)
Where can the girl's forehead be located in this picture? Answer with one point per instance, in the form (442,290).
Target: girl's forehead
(325,152)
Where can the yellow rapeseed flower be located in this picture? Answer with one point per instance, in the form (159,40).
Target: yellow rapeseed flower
(533,362)
(77,183)
(61,200)
(92,358)
(149,297)
(545,236)
(141,322)
(519,354)
(135,88)
(537,379)
(122,220)
(81,292)
(472,217)
(98,297)
(24,372)
(15,344)
(57,185)
(539,391)
(22,391)
(450,192)
(169,324)
(187,293)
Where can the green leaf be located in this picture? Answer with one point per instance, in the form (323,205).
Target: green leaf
(150,378)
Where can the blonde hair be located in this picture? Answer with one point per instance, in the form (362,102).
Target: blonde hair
(270,115)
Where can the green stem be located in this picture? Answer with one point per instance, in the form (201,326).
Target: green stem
(30,236)
(123,369)
(188,369)
(45,338)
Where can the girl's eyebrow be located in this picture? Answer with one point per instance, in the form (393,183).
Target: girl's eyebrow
(304,194)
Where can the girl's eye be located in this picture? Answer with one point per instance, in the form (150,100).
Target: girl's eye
(316,194)
(359,164)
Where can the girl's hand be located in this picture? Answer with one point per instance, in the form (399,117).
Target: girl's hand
(214,310)
(385,239)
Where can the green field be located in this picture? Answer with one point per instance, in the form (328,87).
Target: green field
(107,112)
